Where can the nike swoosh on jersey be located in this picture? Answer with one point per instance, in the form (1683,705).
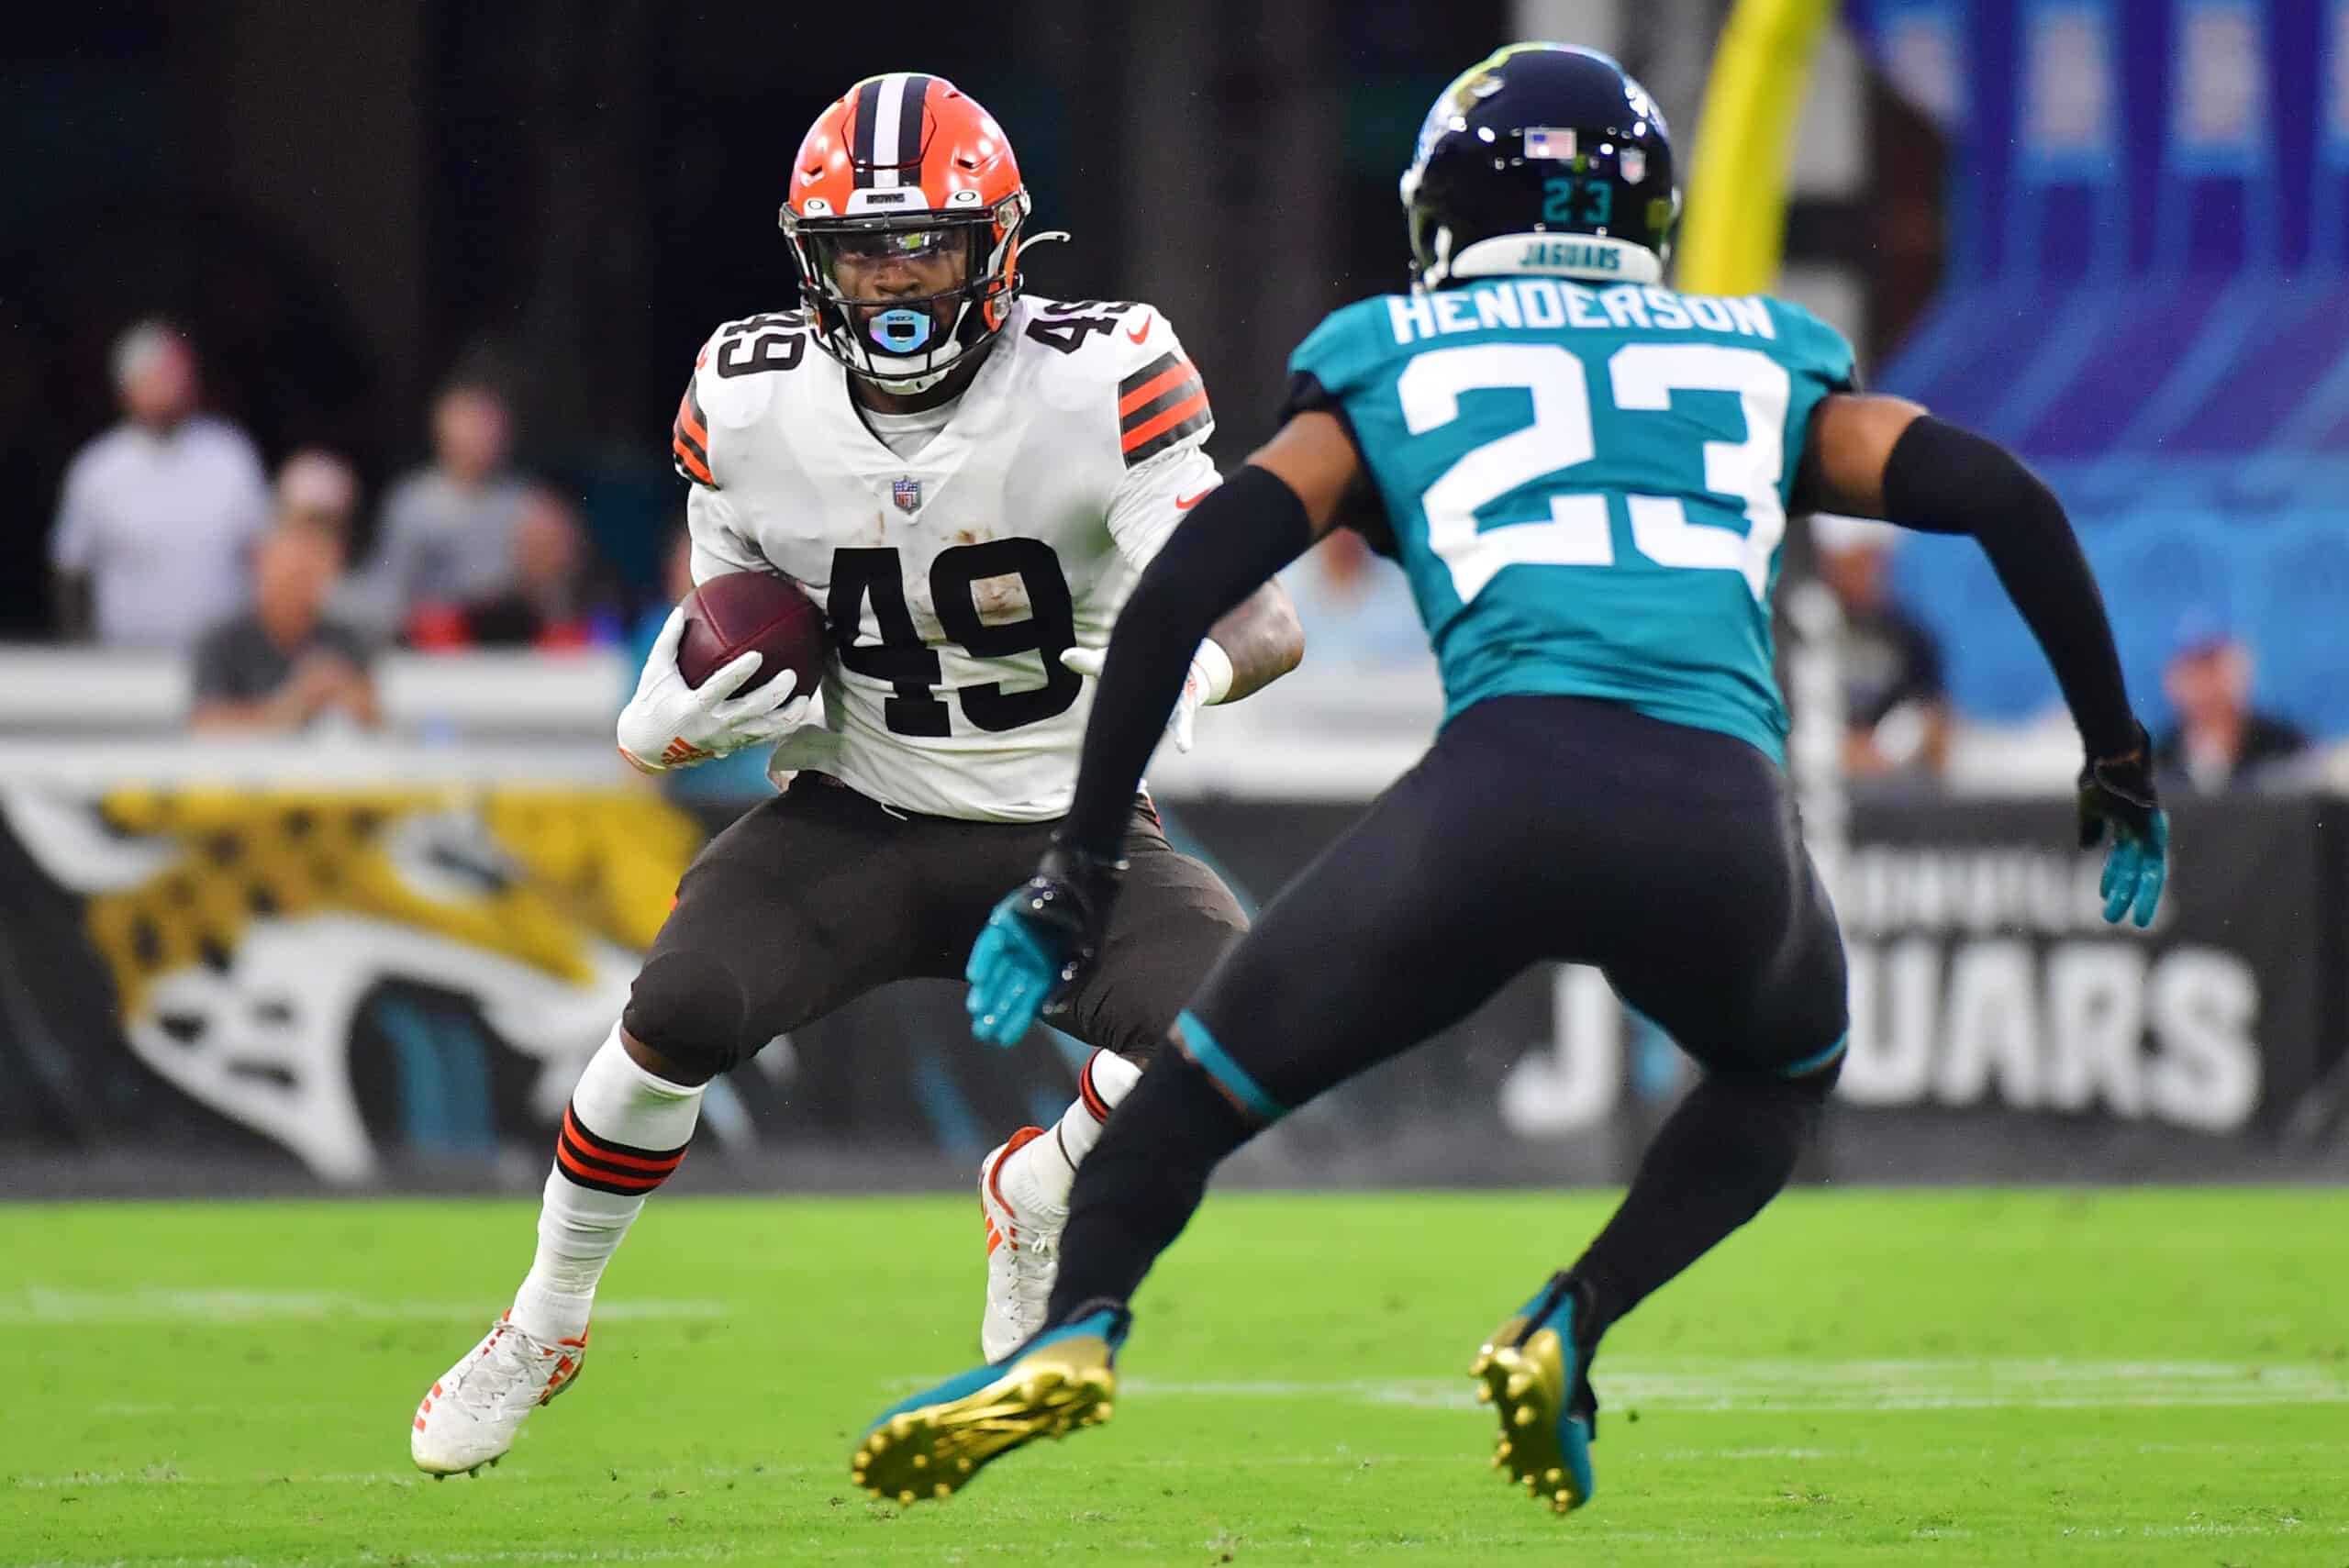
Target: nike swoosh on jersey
(1136,335)
(1185,503)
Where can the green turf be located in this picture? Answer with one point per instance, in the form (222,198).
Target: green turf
(2148,1377)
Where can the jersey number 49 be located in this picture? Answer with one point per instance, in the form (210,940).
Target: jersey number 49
(912,667)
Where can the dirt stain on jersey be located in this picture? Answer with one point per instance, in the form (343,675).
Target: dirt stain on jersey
(1001,599)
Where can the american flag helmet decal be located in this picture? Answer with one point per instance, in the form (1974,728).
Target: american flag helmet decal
(1544,141)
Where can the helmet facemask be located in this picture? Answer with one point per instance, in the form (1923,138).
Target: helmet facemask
(901,300)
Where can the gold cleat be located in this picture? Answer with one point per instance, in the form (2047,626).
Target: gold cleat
(932,1450)
(1523,1377)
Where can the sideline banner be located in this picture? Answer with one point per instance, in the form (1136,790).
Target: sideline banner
(399,987)
(333,975)
(1983,974)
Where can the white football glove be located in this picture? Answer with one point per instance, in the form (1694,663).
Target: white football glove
(1209,681)
(669,724)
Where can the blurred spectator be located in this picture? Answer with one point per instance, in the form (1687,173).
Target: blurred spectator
(156,515)
(1896,709)
(739,776)
(1357,609)
(551,605)
(317,488)
(2220,740)
(447,529)
(282,664)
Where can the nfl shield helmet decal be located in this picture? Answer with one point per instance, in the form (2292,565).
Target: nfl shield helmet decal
(906,493)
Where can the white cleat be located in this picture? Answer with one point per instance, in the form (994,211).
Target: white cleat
(1023,1251)
(472,1414)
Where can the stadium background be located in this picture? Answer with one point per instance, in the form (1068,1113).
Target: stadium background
(2109,232)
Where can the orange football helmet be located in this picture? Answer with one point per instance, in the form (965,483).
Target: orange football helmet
(909,166)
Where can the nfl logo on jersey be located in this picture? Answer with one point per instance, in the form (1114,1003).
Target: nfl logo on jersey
(906,493)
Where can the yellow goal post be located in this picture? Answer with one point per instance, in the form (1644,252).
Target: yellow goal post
(1735,228)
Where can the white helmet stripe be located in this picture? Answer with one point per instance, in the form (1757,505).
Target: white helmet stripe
(888,104)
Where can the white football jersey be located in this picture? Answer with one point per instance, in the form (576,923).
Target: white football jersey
(953,578)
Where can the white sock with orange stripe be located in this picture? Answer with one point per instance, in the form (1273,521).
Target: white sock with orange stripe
(1050,1163)
(623,1134)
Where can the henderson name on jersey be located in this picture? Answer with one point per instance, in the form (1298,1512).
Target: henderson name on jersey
(1650,435)
(953,578)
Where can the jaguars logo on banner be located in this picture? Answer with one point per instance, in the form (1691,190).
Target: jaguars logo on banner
(254,938)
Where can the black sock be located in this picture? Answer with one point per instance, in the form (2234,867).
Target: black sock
(1723,1152)
(1143,1181)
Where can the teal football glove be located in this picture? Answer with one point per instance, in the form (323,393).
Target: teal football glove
(1038,942)
(2117,796)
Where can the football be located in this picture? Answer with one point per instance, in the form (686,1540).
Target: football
(744,611)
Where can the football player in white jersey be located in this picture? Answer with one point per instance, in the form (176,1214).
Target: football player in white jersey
(968,481)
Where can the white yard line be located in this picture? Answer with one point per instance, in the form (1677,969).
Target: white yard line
(443,1559)
(1590,1534)
(169,1304)
(1726,1385)
(166,1475)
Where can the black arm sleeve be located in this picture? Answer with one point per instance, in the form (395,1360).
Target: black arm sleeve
(1940,479)
(1359,508)
(1228,548)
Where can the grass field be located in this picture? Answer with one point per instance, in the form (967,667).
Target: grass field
(2147,1377)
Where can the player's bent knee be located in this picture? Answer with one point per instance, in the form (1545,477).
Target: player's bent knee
(660,1066)
(1821,1081)
(691,1009)
(1805,1083)
(1816,1075)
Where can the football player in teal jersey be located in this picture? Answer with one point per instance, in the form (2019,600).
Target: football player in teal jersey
(1587,476)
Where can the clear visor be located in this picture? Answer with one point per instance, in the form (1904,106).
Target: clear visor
(900,288)
(879,247)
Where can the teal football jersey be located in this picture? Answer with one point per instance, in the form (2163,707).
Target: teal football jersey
(1587,485)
